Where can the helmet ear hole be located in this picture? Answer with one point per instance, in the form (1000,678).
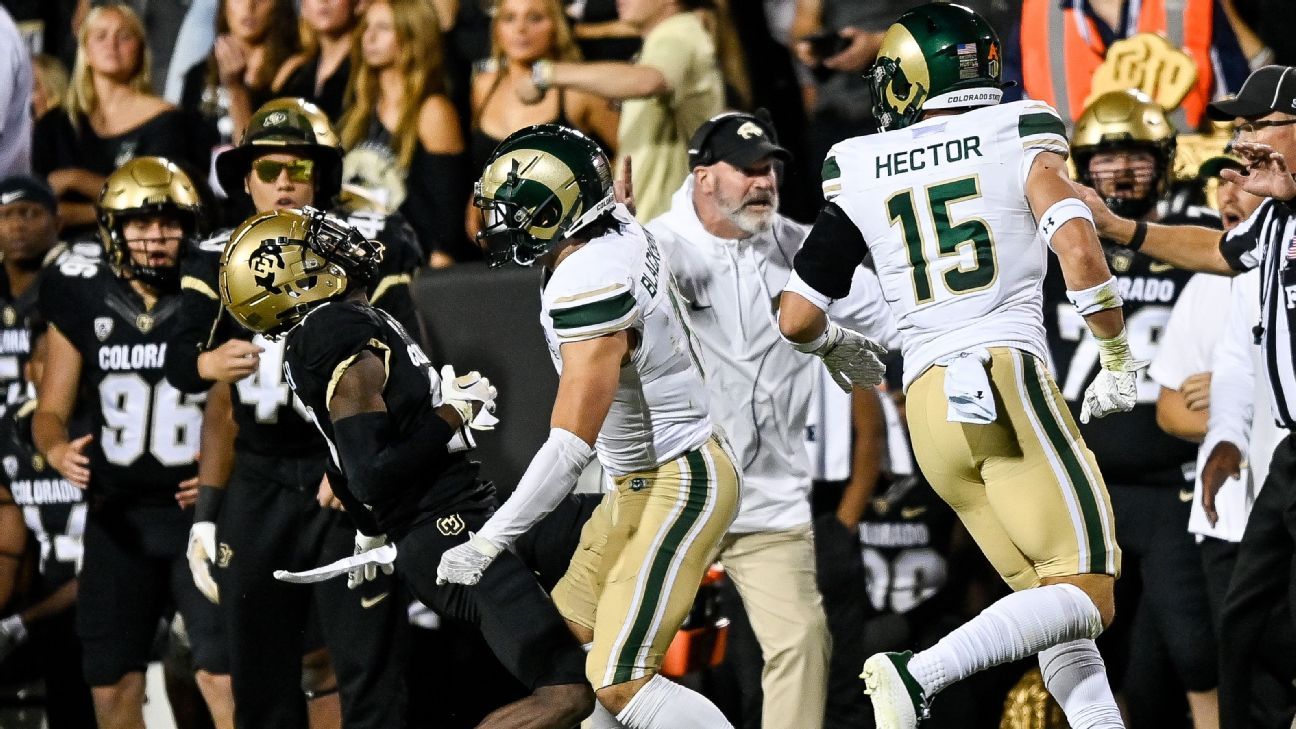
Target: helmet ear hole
(547,215)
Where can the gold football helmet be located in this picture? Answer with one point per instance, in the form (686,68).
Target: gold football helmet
(1125,120)
(147,186)
(280,264)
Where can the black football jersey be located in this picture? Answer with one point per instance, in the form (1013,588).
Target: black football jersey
(146,431)
(320,347)
(905,542)
(271,419)
(52,507)
(1130,447)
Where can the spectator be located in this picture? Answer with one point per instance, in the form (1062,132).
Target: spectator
(109,117)
(15,97)
(523,32)
(253,39)
(404,146)
(193,42)
(50,84)
(674,87)
(319,72)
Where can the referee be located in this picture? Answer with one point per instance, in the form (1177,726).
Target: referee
(1264,120)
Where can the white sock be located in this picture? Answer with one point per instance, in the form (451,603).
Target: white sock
(1019,625)
(1074,673)
(664,704)
(602,719)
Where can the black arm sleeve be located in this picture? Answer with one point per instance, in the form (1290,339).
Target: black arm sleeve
(200,323)
(402,257)
(378,468)
(829,255)
(434,205)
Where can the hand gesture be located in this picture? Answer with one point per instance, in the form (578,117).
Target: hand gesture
(527,92)
(861,52)
(71,462)
(1224,462)
(231,61)
(1105,221)
(1266,174)
(230,362)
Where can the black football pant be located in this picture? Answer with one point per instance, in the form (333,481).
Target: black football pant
(53,652)
(1263,578)
(270,520)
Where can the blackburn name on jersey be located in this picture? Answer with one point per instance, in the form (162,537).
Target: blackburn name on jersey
(621,281)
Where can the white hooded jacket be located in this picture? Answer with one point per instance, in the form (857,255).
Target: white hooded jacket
(760,387)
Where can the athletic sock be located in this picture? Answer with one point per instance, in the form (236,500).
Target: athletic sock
(1074,673)
(664,704)
(603,719)
(1019,625)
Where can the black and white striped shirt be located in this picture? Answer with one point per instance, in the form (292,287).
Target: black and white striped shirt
(1268,240)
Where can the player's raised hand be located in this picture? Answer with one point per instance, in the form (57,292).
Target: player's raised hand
(230,362)
(71,462)
(1224,462)
(1266,174)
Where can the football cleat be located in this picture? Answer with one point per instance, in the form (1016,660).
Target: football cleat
(898,700)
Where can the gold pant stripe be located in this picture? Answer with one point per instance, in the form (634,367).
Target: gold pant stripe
(696,504)
(1054,458)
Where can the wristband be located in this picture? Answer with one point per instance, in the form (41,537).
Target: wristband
(542,74)
(1114,352)
(209,501)
(1140,233)
(1097,298)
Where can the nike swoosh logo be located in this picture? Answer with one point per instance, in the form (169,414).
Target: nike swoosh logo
(698,307)
(9,197)
(1157,267)
(368,602)
(913,512)
(1185,495)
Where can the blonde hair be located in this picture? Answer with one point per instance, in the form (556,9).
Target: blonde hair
(308,38)
(81,99)
(562,47)
(421,64)
(53,76)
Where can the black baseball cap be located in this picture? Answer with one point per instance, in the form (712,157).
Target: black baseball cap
(737,138)
(25,188)
(1266,90)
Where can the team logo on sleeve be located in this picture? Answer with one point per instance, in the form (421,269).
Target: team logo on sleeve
(10,316)
(11,466)
(103,326)
(450,525)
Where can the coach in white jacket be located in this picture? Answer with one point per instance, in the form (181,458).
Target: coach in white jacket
(731,253)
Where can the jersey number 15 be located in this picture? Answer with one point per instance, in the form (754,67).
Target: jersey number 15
(952,239)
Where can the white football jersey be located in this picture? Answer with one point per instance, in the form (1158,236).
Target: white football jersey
(621,281)
(942,207)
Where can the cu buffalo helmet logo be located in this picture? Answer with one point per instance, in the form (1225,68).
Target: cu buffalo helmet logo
(750,130)
(264,262)
(274,119)
(450,525)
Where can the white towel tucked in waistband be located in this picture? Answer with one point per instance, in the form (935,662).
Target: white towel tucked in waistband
(967,387)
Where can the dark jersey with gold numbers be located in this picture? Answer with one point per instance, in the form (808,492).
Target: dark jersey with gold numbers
(905,544)
(52,507)
(320,349)
(271,420)
(145,431)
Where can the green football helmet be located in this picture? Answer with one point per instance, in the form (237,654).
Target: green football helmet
(541,185)
(936,56)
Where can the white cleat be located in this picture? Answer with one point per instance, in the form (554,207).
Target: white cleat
(898,701)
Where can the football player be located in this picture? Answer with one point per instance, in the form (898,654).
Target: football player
(958,201)
(630,388)
(110,319)
(397,433)
(1123,146)
(263,461)
(29,226)
(54,512)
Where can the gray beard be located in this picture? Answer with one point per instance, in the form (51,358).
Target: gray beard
(752,223)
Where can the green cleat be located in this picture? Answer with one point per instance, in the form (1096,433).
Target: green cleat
(898,700)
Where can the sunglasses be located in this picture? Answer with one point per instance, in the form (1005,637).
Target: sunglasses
(302,170)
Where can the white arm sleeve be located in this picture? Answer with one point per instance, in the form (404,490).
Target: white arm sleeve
(551,476)
(864,309)
(1232,393)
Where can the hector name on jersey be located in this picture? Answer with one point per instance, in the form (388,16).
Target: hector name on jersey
(271,420)
(618,281)
(146,431)
(319,350)
(941,205)
(53,508)
(1130,447)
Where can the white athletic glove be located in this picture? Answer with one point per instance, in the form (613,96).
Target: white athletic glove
(13,633)
(367,572)
(852,359)
(202,555)
(464,564)
(460,392)
(1115,389)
